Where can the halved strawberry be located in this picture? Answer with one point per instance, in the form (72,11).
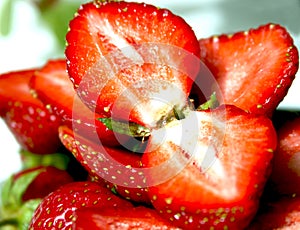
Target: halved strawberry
(117,167)
(23,191)
(209,169)
(120,218)
(132,61)
(53,87)
(32,123)
(56,211)
(286,172)
(255,68)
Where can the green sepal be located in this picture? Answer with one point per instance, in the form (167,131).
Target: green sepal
(127,128)
(212,103)
(13,190)
(31,160)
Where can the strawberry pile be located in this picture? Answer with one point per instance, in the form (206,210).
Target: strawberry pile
(145,126)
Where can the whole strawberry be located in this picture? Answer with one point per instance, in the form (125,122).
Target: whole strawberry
(56,211)
(23,191)
(31,122)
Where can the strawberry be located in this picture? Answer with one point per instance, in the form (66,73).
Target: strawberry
(22,192)
(116,218)
(53,87)
(118,167)
(286,172)
(56,211)
(283,214)
(32,123)
(210,167)
(247,77)
(131,61)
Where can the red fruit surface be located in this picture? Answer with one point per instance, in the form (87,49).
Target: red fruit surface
(220,168)
(255,68)
(150,59)
(31,122)
(49,178)
(54,88)
(56,211)
(119,219)
(116,166)
(286,164)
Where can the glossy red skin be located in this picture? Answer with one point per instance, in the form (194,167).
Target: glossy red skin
(227,194)
(56,211)
(31,122)
(99,29)
(54,88)
(49,179)
(119,219)
(286,172)
(283,214)
(254,68)
(113,166)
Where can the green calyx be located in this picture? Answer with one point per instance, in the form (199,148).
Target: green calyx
(127,128)
(212,103)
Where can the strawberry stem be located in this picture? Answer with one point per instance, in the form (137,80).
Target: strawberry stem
(127,128)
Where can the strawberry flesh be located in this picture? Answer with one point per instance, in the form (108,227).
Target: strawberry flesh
(254,69)
(222,192)
(130,60)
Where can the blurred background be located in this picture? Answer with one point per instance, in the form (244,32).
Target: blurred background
(33,31)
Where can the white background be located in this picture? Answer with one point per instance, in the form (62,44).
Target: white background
(30,44)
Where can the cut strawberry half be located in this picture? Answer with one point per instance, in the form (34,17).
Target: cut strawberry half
(131,61)
(254,69)
(218,162)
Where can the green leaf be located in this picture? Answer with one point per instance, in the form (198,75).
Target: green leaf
(210,104)
(31,160)
(127,128)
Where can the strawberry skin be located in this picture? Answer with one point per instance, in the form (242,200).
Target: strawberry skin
(32,123)
(222,192)
(49,178)
(123,58)
(116,166)
(56,211)
(286,172)
(120,218)
(53,87)
(254,69)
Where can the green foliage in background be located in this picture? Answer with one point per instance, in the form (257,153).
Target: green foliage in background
(54,14)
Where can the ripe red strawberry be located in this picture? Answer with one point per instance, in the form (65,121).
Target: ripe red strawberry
(254,69)
(56,211)
(54,88)
(20,194)
(286,172)
(120,218)
(116,166)
(283,214)
(48,179)
(32,123)
(211,167)
(130,60)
